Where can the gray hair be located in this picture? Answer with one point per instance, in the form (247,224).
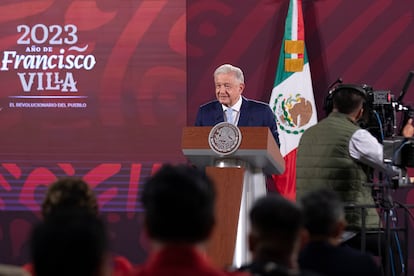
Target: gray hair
(228,68)
(322,208)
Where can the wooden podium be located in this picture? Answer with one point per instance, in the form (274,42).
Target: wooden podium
(257,151)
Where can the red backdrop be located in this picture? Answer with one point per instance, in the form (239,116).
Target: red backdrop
(93,89)
(153,67)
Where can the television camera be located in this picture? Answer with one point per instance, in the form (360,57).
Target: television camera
(382,110)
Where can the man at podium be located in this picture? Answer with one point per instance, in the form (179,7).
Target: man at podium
(231,107)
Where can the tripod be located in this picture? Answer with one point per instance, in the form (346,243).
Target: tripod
(394,254)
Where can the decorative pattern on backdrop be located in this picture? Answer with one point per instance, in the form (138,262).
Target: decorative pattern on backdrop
(91,89)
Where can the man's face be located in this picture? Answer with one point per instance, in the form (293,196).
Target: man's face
(228,88)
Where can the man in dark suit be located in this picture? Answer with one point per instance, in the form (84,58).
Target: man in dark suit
(229,84)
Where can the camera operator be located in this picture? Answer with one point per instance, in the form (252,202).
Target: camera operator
(337,154)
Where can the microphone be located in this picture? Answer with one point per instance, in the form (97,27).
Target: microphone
(406,85)
(338,80)
(327,104)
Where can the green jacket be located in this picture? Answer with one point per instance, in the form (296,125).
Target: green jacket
(323,161)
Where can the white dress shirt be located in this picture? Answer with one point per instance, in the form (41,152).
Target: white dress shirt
(364,147)
(236,110)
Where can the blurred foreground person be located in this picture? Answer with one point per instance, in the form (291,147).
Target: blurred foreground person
(275,238)
(324,217)
(179,218)
(72,193)
(70,242)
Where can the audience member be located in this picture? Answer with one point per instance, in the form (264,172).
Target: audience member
(179,218)
(325,222)
(70,242)
(70,193)
(275,237)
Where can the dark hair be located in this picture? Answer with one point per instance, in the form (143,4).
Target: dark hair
(69,193)
(348,99)
(69,242)
(276,222)
(179,204)
(322,209)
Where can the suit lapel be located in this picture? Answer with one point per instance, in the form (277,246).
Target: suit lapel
(244,114)
(218,114)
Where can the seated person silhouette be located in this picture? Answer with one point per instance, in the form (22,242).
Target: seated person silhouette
(179,218)
(325,222)
(70,242)
(74,193)
(275,237)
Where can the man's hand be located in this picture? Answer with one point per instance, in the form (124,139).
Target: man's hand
(408,130)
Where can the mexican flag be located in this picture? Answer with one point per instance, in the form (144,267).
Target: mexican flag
(292,99)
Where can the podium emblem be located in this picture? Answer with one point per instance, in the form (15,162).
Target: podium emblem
(224,138)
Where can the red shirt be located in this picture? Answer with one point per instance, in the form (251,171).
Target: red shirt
(180,261)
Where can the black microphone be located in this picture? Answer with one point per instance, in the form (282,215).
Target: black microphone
(406,85)
(327,104)
(338,80)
